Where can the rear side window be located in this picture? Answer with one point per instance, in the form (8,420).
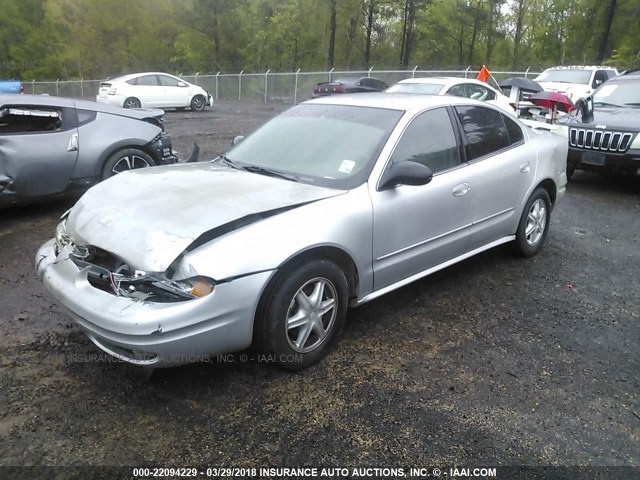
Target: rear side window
(148,80)
(429,140)
(166,81)
(29,119)
(514,130)
(485,130)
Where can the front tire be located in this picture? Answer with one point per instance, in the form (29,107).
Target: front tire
(124,160)
(534,223)
(302,314)
(198,103)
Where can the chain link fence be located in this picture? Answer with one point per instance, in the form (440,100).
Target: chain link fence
(291,87)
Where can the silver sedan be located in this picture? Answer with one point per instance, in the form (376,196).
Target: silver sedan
(333,203)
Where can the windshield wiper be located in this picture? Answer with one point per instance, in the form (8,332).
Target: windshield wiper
(633,104)
(269,172)
(606,104)
(228,162)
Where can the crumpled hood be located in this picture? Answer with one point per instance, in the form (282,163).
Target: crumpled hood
(148,217)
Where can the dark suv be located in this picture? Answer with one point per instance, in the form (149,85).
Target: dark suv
(609,140)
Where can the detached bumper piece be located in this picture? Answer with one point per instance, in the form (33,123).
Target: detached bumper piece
(162,147)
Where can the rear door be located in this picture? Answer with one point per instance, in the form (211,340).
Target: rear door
(147,90)
(501,170)
(173,95)
(38,149)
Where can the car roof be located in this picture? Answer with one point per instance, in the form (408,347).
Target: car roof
(581,67)
(129,76)
(625,77)
(408,102)
(39,100)
(63,102)
(442,80)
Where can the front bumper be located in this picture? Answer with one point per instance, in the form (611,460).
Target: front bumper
(628,162)
(163,150)
(148,333)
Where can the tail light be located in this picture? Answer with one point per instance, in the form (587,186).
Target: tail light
(338,89)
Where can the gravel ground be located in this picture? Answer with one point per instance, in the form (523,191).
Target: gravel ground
(495,361)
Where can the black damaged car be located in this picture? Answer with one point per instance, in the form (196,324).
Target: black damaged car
(607,139)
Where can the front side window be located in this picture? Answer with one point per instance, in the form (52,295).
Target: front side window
(328,145)
(429,140)
(485,130)
(458,91)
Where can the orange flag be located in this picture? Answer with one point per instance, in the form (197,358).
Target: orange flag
(483,74)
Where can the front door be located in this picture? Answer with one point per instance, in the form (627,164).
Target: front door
(419,227)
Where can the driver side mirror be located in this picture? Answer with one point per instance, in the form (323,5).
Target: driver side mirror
(182,84)
(405,173)
(597,83)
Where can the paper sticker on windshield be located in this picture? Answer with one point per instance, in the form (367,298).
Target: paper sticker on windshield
(606,90)
(347,166)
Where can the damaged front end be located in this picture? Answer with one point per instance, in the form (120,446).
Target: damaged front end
(109,273)
(162,148)
(159,319)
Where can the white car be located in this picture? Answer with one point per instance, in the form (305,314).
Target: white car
(576,81)
(153,89)
(460,87)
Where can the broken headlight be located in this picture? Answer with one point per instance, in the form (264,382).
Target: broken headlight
(61,237)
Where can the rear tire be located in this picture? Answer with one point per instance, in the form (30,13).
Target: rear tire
(124,160)
(132,102)
(300,317)
(198,103)
(534,223)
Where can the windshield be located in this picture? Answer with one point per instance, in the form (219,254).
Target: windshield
(565,76)
(332,146)
(621,94)
(423,88)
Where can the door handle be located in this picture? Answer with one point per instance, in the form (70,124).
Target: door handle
(525,167)
(73,143)
(460,190)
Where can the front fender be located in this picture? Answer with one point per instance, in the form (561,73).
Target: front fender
(344,222)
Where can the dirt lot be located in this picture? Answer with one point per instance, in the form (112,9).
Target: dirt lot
(495,361)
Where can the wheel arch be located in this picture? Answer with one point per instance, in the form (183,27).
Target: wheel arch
(550,186)
(323,252)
